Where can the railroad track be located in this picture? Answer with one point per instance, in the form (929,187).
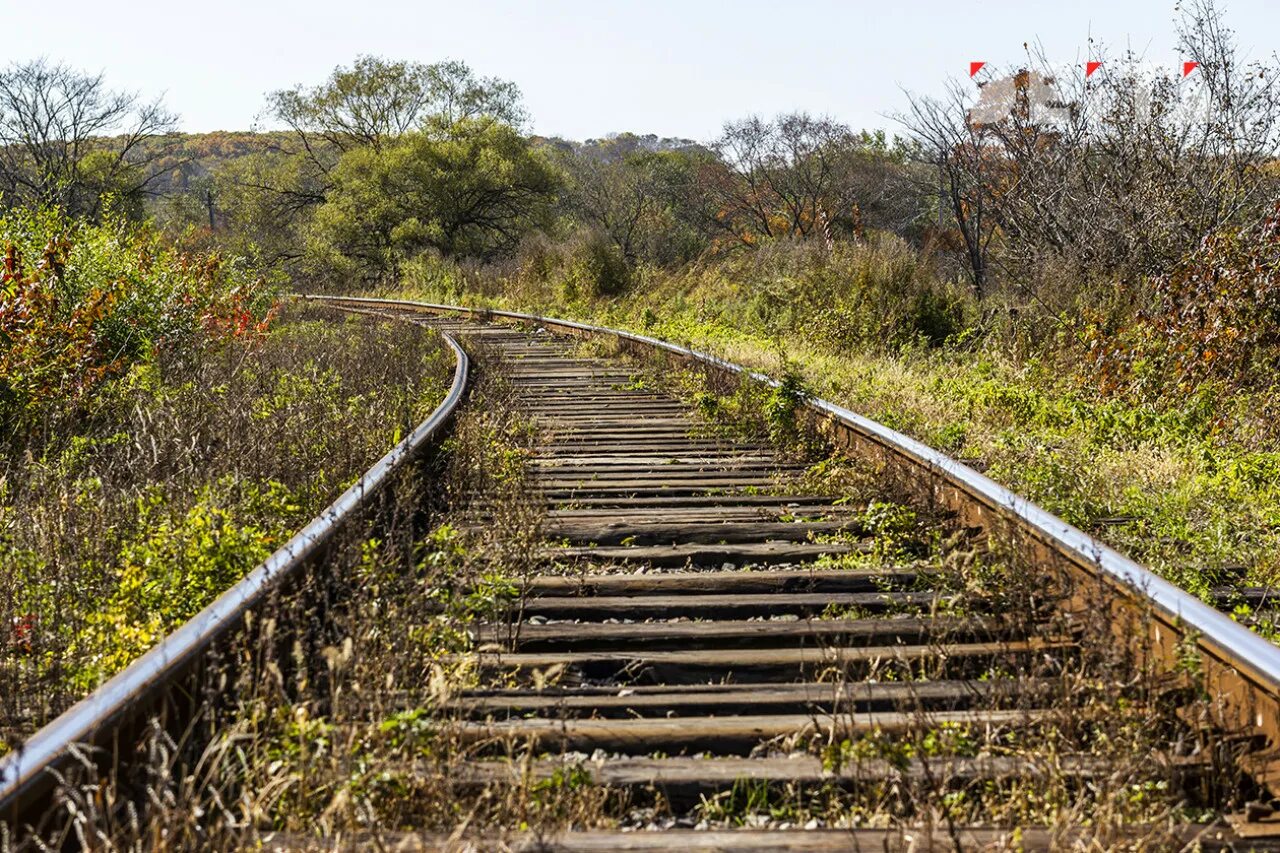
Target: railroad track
(715,643)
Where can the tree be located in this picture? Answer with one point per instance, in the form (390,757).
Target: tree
(1139,166)
(801,176)
(268,198)
(338,132)
(375,101)
(1109,178)
(643,201)
(68,141)
(964,164)
(470,195)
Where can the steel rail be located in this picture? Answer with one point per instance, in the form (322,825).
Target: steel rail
(1243,667)
(28,773)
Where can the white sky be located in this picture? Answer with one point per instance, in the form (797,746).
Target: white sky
(671,67)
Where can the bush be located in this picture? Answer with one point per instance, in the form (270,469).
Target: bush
(1216,320)
(441,277)
(594,267)
(80,302)
(868,295)
(180,562)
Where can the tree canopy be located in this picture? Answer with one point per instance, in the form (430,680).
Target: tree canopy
(473,193)
(375,101)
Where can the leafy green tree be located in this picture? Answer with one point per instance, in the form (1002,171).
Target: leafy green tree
(471,194)
(375,101)
(295,200)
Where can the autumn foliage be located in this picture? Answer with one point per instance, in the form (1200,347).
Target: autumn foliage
(1214,318)
(80,302)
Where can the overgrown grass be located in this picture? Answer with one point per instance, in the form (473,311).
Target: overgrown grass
(130,513)
(372,745)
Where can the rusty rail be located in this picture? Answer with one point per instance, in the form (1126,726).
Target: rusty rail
(1162,622)
(29,773)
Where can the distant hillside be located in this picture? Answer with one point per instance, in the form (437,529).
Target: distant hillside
(186,157)
(616,146)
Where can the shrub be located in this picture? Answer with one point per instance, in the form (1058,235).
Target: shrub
(179,562)
(595,267)
(1215,319)
(870,295)
(435,275)
(80,302)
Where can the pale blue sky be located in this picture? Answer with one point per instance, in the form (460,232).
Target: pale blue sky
(672,67)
